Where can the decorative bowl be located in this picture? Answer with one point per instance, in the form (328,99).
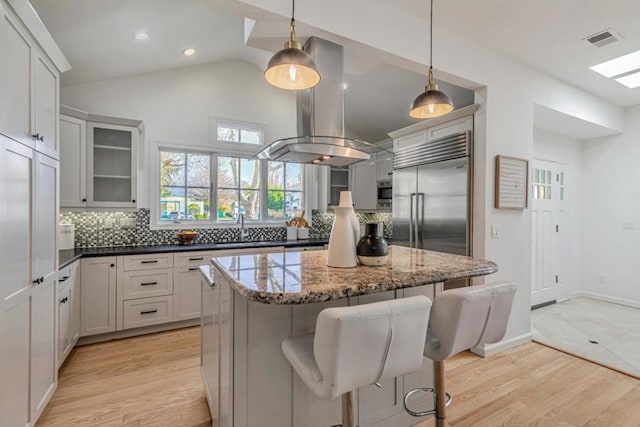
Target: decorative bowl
(187,238)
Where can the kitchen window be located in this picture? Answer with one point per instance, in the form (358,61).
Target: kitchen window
(199,189)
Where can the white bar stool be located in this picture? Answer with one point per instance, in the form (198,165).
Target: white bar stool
(462,319)
(360,345)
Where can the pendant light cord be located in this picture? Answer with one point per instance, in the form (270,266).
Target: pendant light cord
(292,28)
(431,44)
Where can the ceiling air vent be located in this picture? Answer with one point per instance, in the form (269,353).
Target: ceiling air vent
(603,38)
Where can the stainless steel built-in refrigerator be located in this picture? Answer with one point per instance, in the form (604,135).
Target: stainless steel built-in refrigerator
(432,195)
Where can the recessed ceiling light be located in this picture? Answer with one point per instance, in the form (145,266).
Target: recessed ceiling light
(620,65)
(141,35)
(631,81)
(188,51)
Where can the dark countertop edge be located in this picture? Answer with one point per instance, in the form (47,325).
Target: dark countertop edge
(347,291)
(69,256)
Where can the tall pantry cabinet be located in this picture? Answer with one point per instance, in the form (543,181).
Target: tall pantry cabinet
(29,103)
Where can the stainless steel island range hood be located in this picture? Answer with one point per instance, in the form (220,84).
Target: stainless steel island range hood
(321,117)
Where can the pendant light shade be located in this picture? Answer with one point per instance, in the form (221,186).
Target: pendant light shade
(292,68)
(432,102)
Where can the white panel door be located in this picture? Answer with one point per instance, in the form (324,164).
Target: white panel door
(15,81)
(45,91)
(73,162)
(186,293)
(97,295)
(43,345)
(45,224)
(16,176)
(549,261)
(64,319)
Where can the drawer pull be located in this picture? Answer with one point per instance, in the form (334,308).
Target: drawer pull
(148,283)
(149,311)
(63,279)
(193,268)
(155,261)
(196,259)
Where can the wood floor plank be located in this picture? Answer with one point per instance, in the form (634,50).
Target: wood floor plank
(154,380)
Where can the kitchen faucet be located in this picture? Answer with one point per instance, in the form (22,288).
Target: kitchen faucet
(240,220)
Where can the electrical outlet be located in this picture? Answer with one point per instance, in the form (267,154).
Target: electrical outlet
(494,232)
(601,280)
(628,226)
(108,223)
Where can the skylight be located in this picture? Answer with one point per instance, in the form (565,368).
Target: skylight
(622,65)
(631,80)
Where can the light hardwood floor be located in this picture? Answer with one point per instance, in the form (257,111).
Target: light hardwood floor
(155,380)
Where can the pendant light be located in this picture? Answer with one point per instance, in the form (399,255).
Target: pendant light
(292,68)
(432,102)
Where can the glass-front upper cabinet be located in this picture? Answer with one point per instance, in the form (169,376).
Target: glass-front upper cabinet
(111,165)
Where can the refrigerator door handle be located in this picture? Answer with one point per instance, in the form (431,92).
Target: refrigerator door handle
(419,218)
(411,219)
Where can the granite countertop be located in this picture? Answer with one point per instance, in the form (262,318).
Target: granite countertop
(67,257)
(304,277)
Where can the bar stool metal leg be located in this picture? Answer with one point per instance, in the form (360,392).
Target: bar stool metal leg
(441,393)
(348,409)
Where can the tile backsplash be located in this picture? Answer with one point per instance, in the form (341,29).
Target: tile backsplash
(323,221)
(102,229)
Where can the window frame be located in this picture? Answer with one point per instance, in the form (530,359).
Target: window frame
(214,152)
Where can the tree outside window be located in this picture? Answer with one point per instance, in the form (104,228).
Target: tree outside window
(185,182)
(238,188)
(284,190)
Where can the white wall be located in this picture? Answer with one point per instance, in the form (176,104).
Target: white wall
(568,153)
(510,90)
(176,105)
(611,189)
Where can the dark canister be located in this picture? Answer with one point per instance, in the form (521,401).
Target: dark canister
(372,249)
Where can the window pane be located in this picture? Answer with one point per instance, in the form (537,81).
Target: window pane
(172,203)
(228,172)
(198,204)
(250,173)
(293,204)
(275,204)
(250,136)
(227,203)
(294,177)
(275,176)
(251,204)
(172,168)
(227,134)
(198,173)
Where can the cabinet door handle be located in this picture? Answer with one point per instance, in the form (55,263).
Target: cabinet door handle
(133,201)
(112,265)
(148,283)
(63,279)
(36,281)
(196,259)
(149,262)
(84,200)
(41,280)
(149,312)
(193,268)
(64,300)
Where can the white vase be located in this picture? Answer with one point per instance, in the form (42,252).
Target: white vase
(342,245)
(347,202)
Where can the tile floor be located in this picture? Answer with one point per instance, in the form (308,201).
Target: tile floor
(571,325)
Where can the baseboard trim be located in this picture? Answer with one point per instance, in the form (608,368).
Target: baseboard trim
(544,304)
(614,300)
(488,350)
(128,333)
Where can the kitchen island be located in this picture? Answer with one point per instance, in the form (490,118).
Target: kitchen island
(252,302)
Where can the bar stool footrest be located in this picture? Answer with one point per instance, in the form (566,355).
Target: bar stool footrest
(416,391)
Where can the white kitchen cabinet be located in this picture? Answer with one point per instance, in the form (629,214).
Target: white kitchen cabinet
(384,164)
(68,310)
(364,187)
(15,80)
(210,346)
(43,345)
(73,162)
(450,128)
(45,220)
(97,295)
(16,165)
(186,293)
(45,105)
(111,165)
(339,180)
(147,311)
(29,87)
